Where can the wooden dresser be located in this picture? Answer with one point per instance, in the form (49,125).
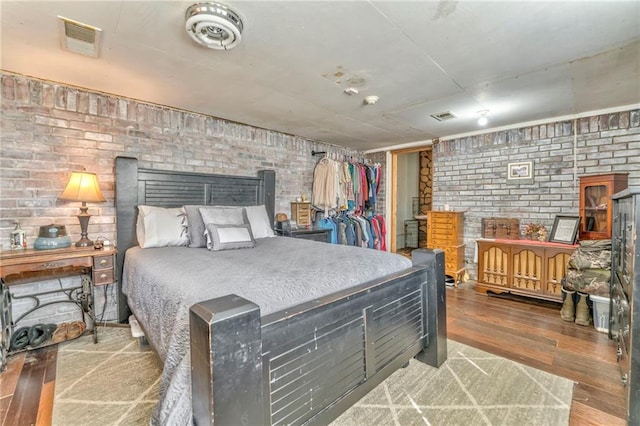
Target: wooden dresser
(524,267)
(445,231)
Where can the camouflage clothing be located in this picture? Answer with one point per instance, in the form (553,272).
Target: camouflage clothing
(589,268)
(592,254)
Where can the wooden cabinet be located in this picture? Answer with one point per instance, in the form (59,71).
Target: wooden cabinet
(445,231)
(301,213)
(624,309)
(596,204)
(522,267)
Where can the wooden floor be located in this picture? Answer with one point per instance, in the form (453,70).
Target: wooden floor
(530,332)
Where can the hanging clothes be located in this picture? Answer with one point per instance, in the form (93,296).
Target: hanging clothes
(325,184)
(349,187)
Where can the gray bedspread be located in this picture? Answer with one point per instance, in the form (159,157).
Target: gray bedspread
(163,283)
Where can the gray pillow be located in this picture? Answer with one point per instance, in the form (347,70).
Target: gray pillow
(229,237)
(195,226)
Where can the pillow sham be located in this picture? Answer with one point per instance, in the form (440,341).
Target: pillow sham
(195,224)
(259,221)
(229,237)
(161,227)
(222,215)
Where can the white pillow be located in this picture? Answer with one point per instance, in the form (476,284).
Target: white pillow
(161,227)
(228,237)
(259,221)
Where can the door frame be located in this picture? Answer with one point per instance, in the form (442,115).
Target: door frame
(392,190)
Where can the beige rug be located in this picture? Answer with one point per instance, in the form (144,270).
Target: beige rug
(114,383)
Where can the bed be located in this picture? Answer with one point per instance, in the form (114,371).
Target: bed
(269,337)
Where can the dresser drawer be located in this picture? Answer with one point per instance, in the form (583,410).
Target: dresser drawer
(103,276)
(103,262)
(453,256)
(442,238)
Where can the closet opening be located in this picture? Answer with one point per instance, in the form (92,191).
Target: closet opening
(411,198)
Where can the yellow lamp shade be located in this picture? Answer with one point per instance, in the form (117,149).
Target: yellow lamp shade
(82,186)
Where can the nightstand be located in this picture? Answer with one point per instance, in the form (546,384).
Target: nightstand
(315,234)
(17,267)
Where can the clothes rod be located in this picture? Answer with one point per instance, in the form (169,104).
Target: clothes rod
(318,152)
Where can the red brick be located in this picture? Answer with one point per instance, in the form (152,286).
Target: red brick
(22,90)
(8,88)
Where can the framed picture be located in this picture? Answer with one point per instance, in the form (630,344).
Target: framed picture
(565,229)
(520,173)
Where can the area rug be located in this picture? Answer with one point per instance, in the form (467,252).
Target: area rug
(114,382)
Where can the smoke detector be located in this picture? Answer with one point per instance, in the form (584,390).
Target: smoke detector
(79,38)
(370,100)
(213,25)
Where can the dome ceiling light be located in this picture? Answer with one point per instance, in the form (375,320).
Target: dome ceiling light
(482,117)
(213,25)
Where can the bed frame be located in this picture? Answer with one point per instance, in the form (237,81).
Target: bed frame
(305,365)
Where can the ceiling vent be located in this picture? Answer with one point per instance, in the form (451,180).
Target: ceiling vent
(213,25)
(79,38)
(443,116)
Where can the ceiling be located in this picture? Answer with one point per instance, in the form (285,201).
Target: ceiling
(522,61)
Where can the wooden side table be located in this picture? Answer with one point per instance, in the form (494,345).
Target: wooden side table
(17,267)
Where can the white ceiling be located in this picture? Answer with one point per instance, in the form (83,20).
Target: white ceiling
(522,61)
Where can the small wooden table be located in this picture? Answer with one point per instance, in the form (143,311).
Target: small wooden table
(96,267)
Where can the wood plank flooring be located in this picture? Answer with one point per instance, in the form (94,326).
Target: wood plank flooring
(529,332)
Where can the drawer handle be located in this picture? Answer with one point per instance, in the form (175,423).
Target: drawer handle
(103,262)
(103,276)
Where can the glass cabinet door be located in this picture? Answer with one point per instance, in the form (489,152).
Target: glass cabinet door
(596,202)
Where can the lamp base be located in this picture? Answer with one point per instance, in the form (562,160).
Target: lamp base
(84,242)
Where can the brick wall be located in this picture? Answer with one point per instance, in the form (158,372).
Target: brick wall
(49,130)
(470,173)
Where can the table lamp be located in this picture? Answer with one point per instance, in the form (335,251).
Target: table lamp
(83,186)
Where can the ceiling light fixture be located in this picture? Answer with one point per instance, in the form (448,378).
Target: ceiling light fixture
(213,25)
(351,91)
(482,119)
